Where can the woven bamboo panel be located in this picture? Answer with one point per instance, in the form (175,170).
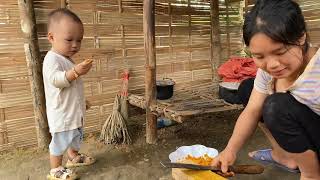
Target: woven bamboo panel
(311,10)
(114,39)
(16,111)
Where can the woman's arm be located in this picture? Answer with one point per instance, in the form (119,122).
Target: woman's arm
(247,121)
(244,128)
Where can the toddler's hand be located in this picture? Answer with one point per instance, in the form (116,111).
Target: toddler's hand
(83,67)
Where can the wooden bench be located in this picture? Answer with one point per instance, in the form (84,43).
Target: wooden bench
(187,102)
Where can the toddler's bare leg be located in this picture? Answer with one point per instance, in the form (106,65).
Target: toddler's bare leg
(55,161)
(72,153)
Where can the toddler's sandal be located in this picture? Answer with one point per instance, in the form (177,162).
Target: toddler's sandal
(80,160)
(62,173)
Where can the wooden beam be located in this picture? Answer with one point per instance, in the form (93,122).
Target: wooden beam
(31,47)
(150,75)
(215,38)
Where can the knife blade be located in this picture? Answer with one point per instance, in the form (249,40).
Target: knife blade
(238,169)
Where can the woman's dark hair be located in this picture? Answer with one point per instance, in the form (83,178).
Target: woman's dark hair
(280,20)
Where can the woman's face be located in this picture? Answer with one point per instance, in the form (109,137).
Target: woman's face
(279,60)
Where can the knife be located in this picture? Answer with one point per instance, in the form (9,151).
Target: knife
(238,169)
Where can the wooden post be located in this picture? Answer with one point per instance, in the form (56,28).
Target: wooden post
(215,38)
(150,79)
(31,47)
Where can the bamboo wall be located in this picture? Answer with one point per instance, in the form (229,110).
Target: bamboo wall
(311,9)
(114,38)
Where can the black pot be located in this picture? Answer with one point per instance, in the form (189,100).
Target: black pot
(229,94)
(165,88)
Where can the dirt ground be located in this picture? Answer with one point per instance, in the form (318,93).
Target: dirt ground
(140,161)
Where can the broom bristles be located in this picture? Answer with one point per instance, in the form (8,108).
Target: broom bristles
(115,129)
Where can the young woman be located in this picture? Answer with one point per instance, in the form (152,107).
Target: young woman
(285,100)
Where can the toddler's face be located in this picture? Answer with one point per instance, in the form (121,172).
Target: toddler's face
(66,37)
(279,60)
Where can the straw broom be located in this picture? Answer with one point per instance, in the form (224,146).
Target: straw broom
(115,129)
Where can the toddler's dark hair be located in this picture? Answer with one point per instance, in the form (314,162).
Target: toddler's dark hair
(57,14)
(280,20)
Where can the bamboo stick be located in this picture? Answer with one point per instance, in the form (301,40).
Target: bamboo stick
(120,6)
(246,6)
(170,31)
(3,128)
(228,28)
(123,37)
(242,5)
(189,40)
(150,76)
(63,3)
(215,38)
(31,46)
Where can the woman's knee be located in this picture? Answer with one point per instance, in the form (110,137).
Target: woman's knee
(275,108)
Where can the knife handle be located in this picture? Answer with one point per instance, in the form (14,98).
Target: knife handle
(247,169)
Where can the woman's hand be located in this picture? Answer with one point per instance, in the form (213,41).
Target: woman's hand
(226,158)
(83,67)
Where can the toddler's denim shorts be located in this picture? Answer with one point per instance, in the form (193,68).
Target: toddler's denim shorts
(61,141)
